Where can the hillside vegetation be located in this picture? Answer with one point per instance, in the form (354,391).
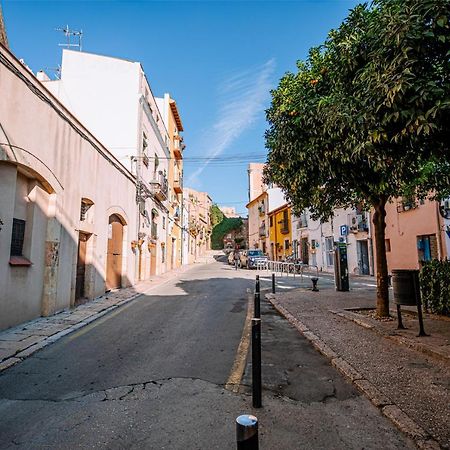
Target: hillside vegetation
(223,228)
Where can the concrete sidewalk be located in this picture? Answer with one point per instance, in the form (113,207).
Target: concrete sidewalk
(407,377)
(19,342)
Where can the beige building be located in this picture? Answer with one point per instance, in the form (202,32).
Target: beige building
(258,222)
(198,205)
(69,222)
(174,126)
(229,211)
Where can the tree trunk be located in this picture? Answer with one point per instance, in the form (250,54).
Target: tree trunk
(379,222)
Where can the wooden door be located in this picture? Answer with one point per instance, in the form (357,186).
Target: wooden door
(81,268)
(152,249)
(114,255)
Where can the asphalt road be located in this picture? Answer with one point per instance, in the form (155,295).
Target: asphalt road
(151,375)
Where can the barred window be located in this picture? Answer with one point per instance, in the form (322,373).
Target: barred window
(18,235)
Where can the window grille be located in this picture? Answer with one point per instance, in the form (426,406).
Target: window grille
(18,235)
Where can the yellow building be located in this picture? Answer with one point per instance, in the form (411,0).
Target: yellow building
(280,234)
(172,121)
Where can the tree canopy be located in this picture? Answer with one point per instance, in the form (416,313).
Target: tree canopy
(366,117)
(216,215)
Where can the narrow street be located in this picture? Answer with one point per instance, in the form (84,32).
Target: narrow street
(151,375)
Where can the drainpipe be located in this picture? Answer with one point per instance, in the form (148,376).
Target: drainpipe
(372,260)
(439,233)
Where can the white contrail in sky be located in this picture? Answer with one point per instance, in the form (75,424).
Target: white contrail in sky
(243,97)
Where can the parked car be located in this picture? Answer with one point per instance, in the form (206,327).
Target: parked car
(250,258)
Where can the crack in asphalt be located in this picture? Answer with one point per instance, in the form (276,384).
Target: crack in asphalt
(132,386)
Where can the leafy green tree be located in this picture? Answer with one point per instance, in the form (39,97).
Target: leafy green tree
(224,227)
(366,117)
(216,215)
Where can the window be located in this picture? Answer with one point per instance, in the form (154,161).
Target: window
(164,223)
(163,253)
(85,205)
(144,149)
(427,247)
(271,221)
(286,244)
(329,246)
(156,163)
(284,223)
(18,235)
(388,245)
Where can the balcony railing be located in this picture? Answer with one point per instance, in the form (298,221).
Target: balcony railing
(358,222)
(178,186)
(284,227)
(178,147)
(262,231)
(160,187)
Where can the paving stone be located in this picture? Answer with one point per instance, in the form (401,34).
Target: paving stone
(346,369)
(375,396)
(405,423)
(9,363)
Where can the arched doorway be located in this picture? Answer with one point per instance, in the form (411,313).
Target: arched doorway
(114,254)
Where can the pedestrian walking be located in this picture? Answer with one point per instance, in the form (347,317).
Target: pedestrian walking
(237,258)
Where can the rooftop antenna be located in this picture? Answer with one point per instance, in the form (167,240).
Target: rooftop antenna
(69,33)
(56,71)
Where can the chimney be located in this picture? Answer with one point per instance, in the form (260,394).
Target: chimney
(3,39)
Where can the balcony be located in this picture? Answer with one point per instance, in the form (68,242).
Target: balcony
(262,231)
(284,227)
(178,147)
(178,186)
(160,187)
(302,221)
(358,222)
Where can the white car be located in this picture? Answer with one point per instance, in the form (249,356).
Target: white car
(251,258)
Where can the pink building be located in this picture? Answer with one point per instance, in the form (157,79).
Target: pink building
(414,233)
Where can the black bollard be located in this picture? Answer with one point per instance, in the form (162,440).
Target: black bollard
(273,283)
(247,432)
(257,299)
(314,283)
(256,363)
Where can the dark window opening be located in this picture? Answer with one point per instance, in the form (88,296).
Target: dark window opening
(18,235)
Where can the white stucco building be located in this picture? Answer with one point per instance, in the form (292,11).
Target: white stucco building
(113,99)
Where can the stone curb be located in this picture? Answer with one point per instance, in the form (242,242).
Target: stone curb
(48,340)
(400,419)
(423,348)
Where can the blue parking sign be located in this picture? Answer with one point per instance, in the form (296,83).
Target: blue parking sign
(344,230)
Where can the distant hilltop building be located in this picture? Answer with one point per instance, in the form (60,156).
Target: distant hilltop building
(229,211)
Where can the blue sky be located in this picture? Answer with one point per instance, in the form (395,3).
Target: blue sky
(218,59)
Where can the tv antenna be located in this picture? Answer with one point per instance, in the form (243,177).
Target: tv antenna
(75,34)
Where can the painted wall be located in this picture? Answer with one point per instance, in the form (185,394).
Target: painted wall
(258,223)
(255,180)
(112,85)
(279,235)
(403,227)
(53,162)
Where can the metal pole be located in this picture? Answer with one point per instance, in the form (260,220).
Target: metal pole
(257,299)
(247,432)
(256,362)
(273,283)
